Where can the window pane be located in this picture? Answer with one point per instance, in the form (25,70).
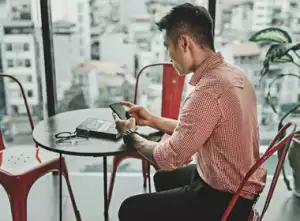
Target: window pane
(8,47)
(22,59)
(99,48)
(26,47)
(236,22)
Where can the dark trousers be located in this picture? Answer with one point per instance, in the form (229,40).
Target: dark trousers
(182,196)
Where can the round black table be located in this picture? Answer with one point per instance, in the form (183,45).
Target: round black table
(44,136)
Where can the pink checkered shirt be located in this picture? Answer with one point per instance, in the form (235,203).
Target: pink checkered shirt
(218,126)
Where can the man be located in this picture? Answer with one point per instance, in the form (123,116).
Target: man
(217,125)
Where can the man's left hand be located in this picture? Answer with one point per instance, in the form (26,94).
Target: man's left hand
(123,125)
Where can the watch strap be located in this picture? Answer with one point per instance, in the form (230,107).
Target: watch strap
(127,136)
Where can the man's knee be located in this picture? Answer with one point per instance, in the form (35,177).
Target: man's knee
(128,209)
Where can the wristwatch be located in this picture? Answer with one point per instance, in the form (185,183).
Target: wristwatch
(127,136)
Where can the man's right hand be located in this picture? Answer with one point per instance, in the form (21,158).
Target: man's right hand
(141,115)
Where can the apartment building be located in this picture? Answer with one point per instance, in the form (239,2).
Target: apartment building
(20,60)
(104,15)
(84,28)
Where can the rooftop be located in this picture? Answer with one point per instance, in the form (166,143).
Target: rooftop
(141,17)
(102,66)
(245,49)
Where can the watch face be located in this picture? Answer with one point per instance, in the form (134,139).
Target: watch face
(126,138)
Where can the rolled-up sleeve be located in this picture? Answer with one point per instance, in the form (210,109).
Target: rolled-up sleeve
(199,117)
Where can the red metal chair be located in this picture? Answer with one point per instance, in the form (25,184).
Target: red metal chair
(21,167)
(273,147)
(172,87)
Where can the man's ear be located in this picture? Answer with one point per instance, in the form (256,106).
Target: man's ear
(185,42)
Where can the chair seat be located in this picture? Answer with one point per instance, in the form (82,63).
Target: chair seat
(16,161)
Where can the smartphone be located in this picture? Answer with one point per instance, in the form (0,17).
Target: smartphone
(118,109)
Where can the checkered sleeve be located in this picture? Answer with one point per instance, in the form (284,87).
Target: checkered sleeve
(199,117)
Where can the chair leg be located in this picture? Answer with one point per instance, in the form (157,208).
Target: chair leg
(149,177)
(117,160)
(145,172)
(65,174)
(18,204)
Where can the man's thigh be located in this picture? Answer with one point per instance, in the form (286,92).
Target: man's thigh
(176,205)
(166,180)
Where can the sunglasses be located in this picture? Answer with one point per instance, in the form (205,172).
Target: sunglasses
(71,137)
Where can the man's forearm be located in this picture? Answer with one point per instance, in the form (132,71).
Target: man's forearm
(144,147)
(165,125)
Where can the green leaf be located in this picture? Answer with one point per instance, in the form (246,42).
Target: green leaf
(284,59)
(295,47)
(268,97)
(276,35)
(270,102)
(276,51)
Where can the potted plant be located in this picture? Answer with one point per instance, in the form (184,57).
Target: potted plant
(282,50)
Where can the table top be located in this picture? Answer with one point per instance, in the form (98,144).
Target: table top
(44,134)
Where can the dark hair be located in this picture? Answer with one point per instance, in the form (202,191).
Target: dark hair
(192,20)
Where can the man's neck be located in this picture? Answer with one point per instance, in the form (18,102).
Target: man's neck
(199,60)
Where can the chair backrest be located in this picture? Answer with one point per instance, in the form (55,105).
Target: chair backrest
(2,147)
(172,87)
(24,97)
(284,143)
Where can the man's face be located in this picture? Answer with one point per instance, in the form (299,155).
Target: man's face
(179,54)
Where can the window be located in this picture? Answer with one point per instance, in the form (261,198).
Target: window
(81,30)
(10,63)
(26,47)
(27,63)
(80,18)
(29,93)
(80,7)
(8,47)
(29,78)
(293,5)
(16,45)
(15,109)
(81,41)
(82,52)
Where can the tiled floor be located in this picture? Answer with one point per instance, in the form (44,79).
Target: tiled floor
(87,187)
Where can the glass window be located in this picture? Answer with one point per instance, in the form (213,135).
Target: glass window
(8,47)
(80,18)
(29,78)
(16,130)
(29,93)
(249,56)
(27,63)
(80,7)
(26,47)
(10,63)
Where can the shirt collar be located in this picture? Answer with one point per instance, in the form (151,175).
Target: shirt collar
(211,62)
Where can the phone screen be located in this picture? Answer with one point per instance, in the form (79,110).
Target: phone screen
(119,110)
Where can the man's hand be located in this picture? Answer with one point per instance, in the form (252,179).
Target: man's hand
(139,113)
(123,125)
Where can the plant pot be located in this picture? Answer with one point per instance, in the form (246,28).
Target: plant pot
(294,159)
